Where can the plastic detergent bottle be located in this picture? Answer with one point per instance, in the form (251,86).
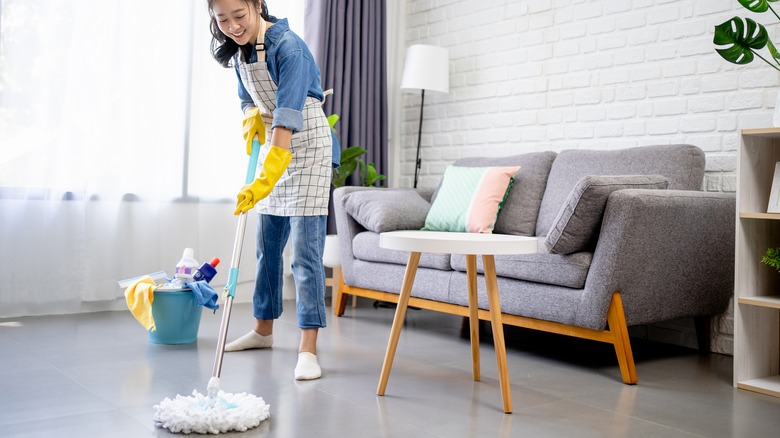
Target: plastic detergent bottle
(186,266)
(206,271)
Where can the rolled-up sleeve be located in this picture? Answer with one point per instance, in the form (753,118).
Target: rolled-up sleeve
(291,92)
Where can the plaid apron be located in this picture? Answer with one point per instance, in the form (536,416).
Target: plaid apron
(304,188)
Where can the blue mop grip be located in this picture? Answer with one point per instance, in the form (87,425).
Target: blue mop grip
(230,286)
(232,281)
(250,173)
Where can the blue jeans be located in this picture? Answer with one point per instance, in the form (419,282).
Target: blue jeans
(308,244)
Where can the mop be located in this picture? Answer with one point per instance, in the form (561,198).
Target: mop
(218,411)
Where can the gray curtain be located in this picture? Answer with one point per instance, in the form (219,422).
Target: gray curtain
(347,38)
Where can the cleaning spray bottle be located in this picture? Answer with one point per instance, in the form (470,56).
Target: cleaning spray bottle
(206,271)
(186,267)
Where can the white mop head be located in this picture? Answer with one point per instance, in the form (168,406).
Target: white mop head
(201,414)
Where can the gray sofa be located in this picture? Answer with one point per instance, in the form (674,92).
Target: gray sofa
(654,255)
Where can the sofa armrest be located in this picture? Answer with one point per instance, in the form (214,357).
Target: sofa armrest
(670,253)
(346,228)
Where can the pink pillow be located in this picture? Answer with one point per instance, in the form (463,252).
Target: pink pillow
(470,199)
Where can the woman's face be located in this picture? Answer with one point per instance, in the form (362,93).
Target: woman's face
(237,19)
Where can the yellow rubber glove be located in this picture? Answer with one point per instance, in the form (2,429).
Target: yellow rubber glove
(251,126)
(275,164)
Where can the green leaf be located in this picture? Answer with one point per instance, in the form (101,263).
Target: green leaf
(348,168)
(772,50)
(332,119)
(362,172)
(351,153)
(756,5)
(338,180)
(343,172)
(772,258)
(372,176)
(743,36)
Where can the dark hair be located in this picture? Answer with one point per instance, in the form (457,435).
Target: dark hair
(224,48)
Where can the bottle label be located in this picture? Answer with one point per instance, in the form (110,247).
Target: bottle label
(186,270)
(205,272)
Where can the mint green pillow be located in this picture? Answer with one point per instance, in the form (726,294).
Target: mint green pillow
(470,198)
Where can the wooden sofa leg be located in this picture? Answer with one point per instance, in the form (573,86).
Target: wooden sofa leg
(339,298)
(616,319)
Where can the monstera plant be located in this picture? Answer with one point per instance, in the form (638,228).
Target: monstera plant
(740,39)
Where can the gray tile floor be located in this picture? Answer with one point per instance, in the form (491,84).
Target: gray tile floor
(97,375)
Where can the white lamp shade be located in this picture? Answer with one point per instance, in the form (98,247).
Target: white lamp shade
(426,68)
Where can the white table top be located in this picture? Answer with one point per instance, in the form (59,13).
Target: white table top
(457,243)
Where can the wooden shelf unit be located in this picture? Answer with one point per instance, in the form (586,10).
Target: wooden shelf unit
(756,286)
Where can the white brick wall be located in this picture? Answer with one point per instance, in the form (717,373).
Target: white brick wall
(533,75)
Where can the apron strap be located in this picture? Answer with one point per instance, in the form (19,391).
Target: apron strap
(260,43)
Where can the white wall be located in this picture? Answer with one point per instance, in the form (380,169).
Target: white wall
(532,75)
(602,74)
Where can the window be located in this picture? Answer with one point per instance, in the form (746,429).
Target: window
(117,99)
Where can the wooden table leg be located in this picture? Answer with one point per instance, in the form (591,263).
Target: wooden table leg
(471,273)
(498,330)
(398,320)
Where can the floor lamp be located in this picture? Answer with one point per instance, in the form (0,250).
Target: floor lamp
(426,68)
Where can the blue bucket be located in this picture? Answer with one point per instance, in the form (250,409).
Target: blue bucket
(176,317)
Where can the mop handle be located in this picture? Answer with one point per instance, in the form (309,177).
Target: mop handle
(230,287)
(229,291)
(250,172)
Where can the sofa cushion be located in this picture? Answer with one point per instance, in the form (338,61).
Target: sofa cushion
(518,215)
(682,165)
(470,199)
(560,270)
(365,246)
(387,209)
(579,218)
(532,300)
(430,284)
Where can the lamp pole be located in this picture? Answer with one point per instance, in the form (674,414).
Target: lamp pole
(418,162)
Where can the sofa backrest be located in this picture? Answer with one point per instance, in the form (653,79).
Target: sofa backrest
(682,165)
(518,215)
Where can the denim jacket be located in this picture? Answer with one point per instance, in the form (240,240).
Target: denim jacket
(292,67)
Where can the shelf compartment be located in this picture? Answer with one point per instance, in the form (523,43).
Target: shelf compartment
(756,167)
(766,385)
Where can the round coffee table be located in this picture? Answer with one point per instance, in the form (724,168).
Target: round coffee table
(471,245)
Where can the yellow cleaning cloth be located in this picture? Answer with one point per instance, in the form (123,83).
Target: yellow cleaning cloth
(140,296)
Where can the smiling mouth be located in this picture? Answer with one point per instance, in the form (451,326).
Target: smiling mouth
(238,35)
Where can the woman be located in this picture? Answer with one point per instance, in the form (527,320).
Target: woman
(279,88)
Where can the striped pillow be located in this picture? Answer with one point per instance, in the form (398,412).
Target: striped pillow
(470,198)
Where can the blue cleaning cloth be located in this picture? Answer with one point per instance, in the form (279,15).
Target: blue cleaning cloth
(204,294)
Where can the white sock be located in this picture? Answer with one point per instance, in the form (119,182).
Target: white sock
(249,341)
(308,368)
